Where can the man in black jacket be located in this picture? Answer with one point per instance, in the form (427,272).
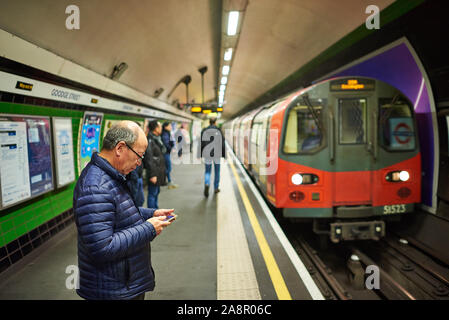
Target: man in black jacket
(212,150)
(154,163)
(169,144)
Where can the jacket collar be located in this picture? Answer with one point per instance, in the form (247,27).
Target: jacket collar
(152,135)
(104,164)
(156,138)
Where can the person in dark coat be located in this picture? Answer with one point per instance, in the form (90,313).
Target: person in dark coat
(114,252)
(169,144)
(212,150)
(154,163)
(134,180)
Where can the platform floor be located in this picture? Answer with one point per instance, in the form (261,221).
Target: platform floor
(225,246)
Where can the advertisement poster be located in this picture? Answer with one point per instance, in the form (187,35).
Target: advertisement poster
(14,171)
(26,159)
(89,138)
(39,155)
(63,148)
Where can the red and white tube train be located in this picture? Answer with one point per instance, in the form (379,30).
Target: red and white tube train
(343,152)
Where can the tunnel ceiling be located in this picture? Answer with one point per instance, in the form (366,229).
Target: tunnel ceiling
(164,40)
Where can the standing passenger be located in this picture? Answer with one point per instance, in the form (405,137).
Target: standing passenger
(212,150)
(134,180)
(154,162)
(169,144)
(114,252)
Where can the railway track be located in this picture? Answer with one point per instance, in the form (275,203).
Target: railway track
(341,272)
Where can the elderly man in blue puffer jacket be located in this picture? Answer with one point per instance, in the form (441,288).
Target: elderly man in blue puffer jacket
(114,253)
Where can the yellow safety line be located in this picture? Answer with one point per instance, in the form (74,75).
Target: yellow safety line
(275,274)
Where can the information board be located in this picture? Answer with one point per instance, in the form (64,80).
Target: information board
(63,149)
(89,138)
(26,160)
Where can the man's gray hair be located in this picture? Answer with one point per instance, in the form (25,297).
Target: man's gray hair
(116,134)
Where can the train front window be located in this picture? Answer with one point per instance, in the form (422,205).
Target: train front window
(396,126)
(303,133)
(352,121)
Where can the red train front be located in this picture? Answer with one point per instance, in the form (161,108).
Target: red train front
(343,152)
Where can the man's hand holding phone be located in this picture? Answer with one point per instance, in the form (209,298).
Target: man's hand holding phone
(162,218)
(159,223)
(164,213)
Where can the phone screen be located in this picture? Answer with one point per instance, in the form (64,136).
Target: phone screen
(170,218)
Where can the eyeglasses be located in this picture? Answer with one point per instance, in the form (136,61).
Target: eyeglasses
(140,156)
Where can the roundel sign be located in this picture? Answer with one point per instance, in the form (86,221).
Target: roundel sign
(402,133)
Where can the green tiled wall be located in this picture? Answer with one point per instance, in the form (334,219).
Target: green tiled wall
(20,219)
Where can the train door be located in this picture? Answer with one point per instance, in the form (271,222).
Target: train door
(353,119)
(262,150)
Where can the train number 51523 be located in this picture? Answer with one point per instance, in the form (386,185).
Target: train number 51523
(397,208)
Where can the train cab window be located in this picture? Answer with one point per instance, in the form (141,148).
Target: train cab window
(303,134)
(352,121)
(396,126)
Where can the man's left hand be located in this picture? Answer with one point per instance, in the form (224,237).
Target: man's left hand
(163,212)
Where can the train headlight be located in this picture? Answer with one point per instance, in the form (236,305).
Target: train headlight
(404,176)
(297,179)
(397,176)
(304,178)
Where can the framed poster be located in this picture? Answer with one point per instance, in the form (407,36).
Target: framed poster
(26,168)
(89,141)
(63,150)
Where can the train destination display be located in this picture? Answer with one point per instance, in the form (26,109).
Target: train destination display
(63,148)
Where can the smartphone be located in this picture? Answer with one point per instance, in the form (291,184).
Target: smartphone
(170,218)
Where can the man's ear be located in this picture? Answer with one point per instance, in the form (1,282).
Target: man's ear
(119,148)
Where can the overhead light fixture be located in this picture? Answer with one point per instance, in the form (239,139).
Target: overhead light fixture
(228,54)
(225,70)
(158,92)
(233,22)
(224,80)
(222,88)
(120,68)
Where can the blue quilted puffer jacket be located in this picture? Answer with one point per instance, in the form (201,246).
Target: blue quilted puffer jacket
(114,253)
